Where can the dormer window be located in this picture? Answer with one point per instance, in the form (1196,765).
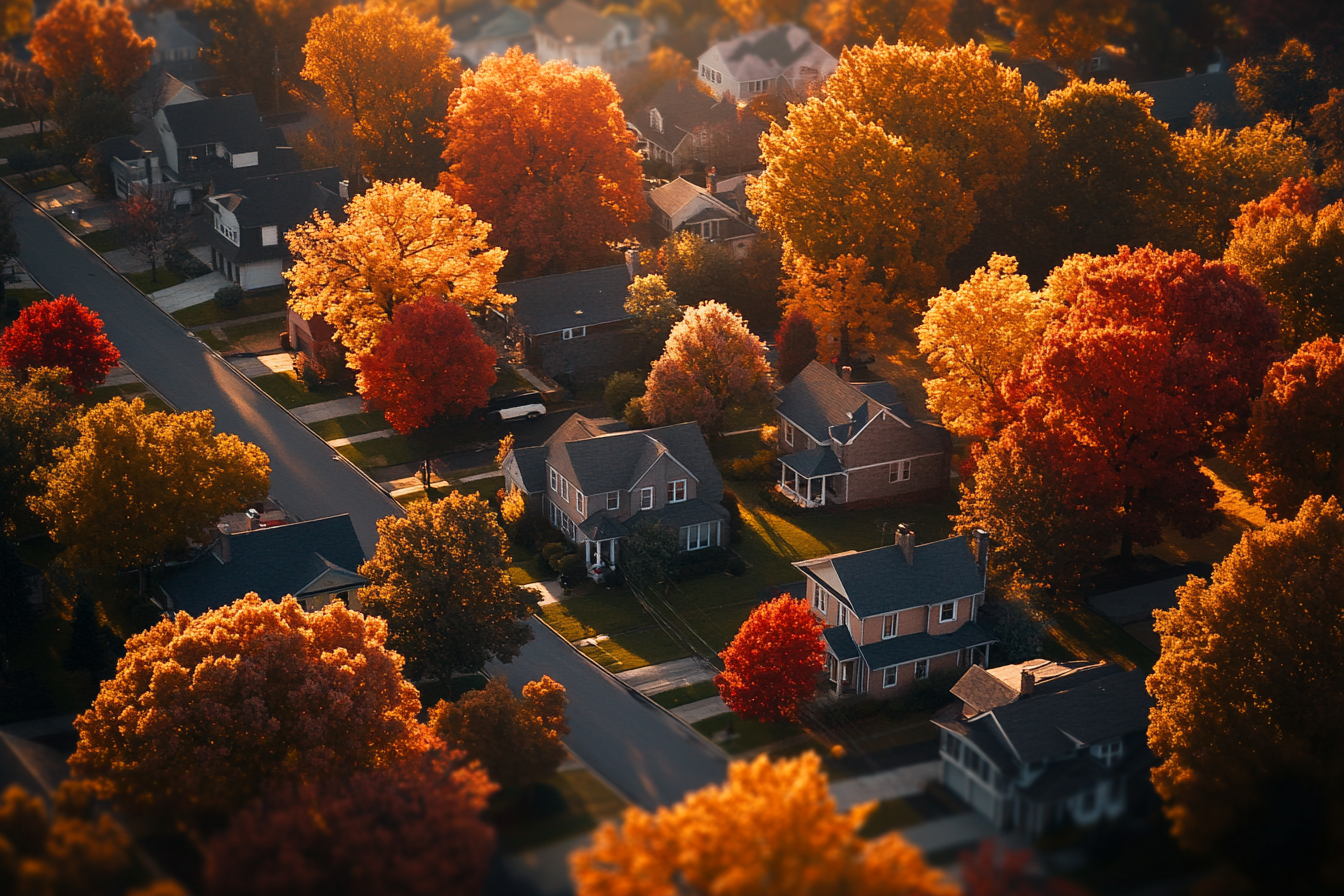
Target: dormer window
(656,120)
(948,612)
(676,491)
(1109,754)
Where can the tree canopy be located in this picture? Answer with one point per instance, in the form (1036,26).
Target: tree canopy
(36,418)
(841,300)
(90,35)
(63,333)
(653,309)
(770,670)
(797,344)
(258,44)
(517,741)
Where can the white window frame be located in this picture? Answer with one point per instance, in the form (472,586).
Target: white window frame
(646,498)
(699,536)
(889,676)
(841,614)
(564,488)
(676,491)
(574,333)
(613,500)
(921,670)
(788,433)
(580,502)
(889,625)
(555,480)
(820,597)
(899,471)
(943,615)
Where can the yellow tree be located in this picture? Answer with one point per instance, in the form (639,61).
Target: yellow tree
(1061,31)
(837,184)
(771,829)
(842,23)
(543,154)
(163,478)
(399,242)
(975,334)
(390,76)
(839,298)
(80,35)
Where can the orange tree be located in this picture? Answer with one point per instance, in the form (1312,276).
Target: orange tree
(88,35)
(543,154)
(59,332)
(516,741)
(206,713)
(770,670)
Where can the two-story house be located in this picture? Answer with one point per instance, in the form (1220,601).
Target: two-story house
(681,206)
(489,28)
(1035,744)
(782,58)
(842,442)
(577,32)
(682,125)
(595,482)
(898,614)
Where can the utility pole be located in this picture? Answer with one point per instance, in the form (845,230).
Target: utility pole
(276,72)
(426,474)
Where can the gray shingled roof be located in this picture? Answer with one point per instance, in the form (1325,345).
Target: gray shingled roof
(768,52)
(579,23)
(981,691)
(841,642)
(285,200)
(879,581)
(922,645)
(682,107)
(563,301)
(817,399)
(1045,726)
(613,461)
(532,468)
(817,462)
(683,513)
(488,19)
(1175,99)
(234,121)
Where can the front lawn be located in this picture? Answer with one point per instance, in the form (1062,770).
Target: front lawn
(691,693)
(890,815)
(19,299)
(144,281)
(290,392)
(352,425)
(103,241)
(385,452)
(257,336)
(633,638)
(747,735)
(268,302)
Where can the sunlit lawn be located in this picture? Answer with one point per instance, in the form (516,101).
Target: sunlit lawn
(749,735)
(210,312)
(257,336)
(691,693)
(290,392)
(353,425)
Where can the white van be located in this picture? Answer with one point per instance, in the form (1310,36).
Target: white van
(518,406)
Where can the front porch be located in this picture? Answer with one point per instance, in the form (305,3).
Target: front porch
(813,478)
(599,557)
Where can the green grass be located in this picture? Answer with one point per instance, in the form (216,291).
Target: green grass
(100,394)
(22,298)
(210,339)
(633,637)
(290,392)
(526,571)
(143,280)
(385,452)
(890,815)
(155,403)
(18,141)
(571,803)
(1081,633)
(509,381)
(691,693)
(206,313)
(259,335)
(750,735)
(103,241)
(353,425)
(36,183)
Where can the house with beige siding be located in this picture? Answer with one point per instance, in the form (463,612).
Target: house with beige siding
(901,613)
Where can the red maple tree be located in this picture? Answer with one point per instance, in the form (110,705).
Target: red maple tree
(1295,196)
(796,342)
(770,670)
(1152,368)
(427,361)
(59,332)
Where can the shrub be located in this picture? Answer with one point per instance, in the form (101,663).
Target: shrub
(570,567)
(634,414)
(704,562)
(774,499)
(759,467)
(534,532)
(229,297)
(551,554)
(734,508)
(330,361)
(308,370)
(1017,626)
(22,160)
(620,388)
(736,565)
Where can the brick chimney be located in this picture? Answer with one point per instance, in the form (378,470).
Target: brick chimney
(905,540)
(632,263)
(981,538)
(225,548)
(1028,685)
(711,180)
(847,374)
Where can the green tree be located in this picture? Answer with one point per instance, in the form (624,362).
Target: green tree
(620,388)
(649,556)
(653,309)
(440,577)
(36,419)
(89,114)
(697,270)
(516,740)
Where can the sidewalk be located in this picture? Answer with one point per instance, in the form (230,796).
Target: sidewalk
(191,292)
(893,784)
(326,410)
(966,829)
(650,680)
(700,710)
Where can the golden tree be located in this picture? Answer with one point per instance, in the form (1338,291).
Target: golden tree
(88,35)
(543,154)
(36,418)
(517,741)
(1250,711)
(399,242)
(206,713)
(390,75)
(771,829)
(973,336)
(839,298)
(842,23)
(163,478)
(751,14)
(1061,31)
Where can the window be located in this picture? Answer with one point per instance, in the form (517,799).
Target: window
(229,233)
(699,536)
(708,230)
(564,488)
(555,480)
(756,87)
(819,598)
(656,119)
(270,235)
(921,669)
(676,491)
(580,502)
(843,612)
(613,500)
(889,625)
(889,677)
(344,597)
(899,471)
(574,333)
(646,498)
(1109,754)
(948,612)
(788,433)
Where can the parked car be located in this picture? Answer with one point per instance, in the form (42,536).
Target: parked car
(516,406)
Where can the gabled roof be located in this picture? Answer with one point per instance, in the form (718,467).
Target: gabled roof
(599,462)
(234,121)
(578,23)
(981,692)
(487,20)
(531,464)
(302,558)
(767,53)
(1175,99)
(563,301)
(817,462)
(284,200)
(1050,725)
(817,400)
(683,107)
(880,581)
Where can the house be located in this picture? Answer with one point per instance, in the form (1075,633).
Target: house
(683,125)
(575,324)
(898,614)
(843,442)
(315,561)
(171,29)
(1037,744)
(680,205)
(577,32)
(595,483)
(1175,99)
(772,60)
(489,28)
(246,226)
(219,132)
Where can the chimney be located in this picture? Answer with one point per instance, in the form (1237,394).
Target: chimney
(344,188)
(981,551)
(846,373)
(711,177)
(632,264)
(1028,684)
(905,540)
(225,549)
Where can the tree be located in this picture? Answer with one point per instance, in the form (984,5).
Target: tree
(59,332)
(846,23)
(36,418)
(770,670)
(845,307)
(649,556)
(619,389)
(796,343)
(1327,126)
(697,270)
(975,335)
(543,154)
(151,228)
(165,478)
(93,35)
(412,829)
(987,872)
(205,714)
(771,828)
(1014,619)
(517,741)
(901,212)
(16,18)
(399,242)
(1064,32)
(89,114)
(390,75)
(258,44)
(1285,83)
(712,364)
(638,83)
(1295,445)
(440,578)
(428,362)
(1248,709)
(88,647)
(653,309)
(752,14)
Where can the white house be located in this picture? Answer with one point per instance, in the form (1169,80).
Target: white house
(783,57)
(586,37)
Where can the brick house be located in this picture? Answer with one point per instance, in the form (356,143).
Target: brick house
(842,442)
(682,125)
(898,614)
(595,480)
(681,206)
(1037,744)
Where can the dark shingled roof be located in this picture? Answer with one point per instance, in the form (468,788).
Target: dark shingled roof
(1042,727)
(922,645)
(488,19)
(1175,99)
(301,558)
(285,200)
(879,581)
(841,642)
(768,52)
(614,461)
(563,301)
(234,121)
(817,400)
(532,468)
(684,513)
(817,462)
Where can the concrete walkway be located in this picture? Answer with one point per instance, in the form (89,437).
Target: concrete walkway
(191,292)
(261,365)
(28,127)
(120,376)
(700,710)
(125,263)
(362,437)
(966,829)
(481,476)
(893,784)
(327,410)
(650,680)
(547,592)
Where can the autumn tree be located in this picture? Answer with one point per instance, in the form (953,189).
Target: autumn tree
(390,75)
(1327,127)
(649,556)
(653,309)
(1249,711)
(151,227)
(205,714)
(1063,32)
(752,14)
(36,418)
(796,343)
(770,670)
(62,333)
(975,335)
(845,23)
(428,362)
(165,478)
(696,269)
(771,828)
(258,44)
(901,212)
(1295,445)
(712,364)
(1285,83)
(399,242)
(990,870)
(541,151)
(413,829)
(440,578)
(93,35)
(90,640)
(517,741)
(844,305)
(639,82)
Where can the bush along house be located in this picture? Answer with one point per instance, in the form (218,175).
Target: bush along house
(898,614)
(594,483)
